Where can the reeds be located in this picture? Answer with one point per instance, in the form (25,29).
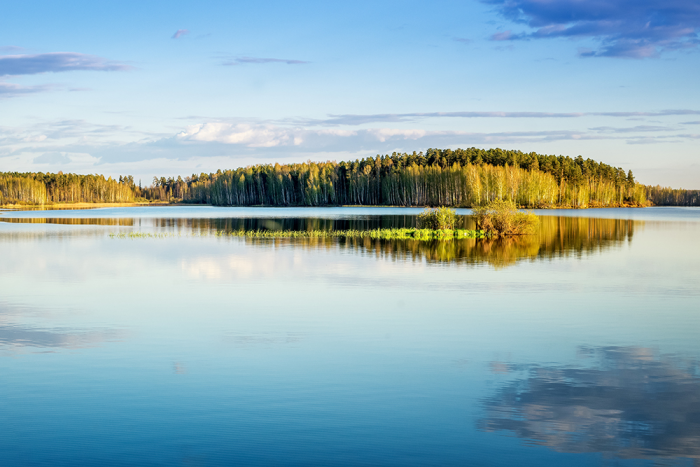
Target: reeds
(123,235)
(378,234)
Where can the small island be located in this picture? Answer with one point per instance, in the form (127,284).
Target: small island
(496,219)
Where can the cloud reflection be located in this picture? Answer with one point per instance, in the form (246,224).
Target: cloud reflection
(54,338)
(14,333)
(630,403)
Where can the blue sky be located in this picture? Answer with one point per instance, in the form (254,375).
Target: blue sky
(167,88)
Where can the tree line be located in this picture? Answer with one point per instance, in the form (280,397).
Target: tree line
(666,196)
(462,177)
(45,188)
(437,177)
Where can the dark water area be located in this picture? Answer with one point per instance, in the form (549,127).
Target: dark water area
(286,223)
(66,221)
(575,346)
(557,235)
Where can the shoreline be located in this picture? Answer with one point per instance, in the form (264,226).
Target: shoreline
(69,206)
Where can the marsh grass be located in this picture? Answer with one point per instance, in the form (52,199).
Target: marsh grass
(124,235)
(382,234)
(379,234)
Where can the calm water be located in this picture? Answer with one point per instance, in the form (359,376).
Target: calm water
(578,346)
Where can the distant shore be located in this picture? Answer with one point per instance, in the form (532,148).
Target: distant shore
(56,206)
(67,206)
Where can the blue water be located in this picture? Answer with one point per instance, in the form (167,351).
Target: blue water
(193,349)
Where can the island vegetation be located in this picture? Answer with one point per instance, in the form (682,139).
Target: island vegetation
(498,218)
(456,178)
(437,219)
(375,234)
(556,237)
(501,217)
(439,177)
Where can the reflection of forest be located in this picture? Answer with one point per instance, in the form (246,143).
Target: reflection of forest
(630,404)
(557,237)
(67,221)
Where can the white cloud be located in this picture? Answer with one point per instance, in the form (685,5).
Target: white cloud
(383,134)
(34,138)
(267,136)
(11,89)
(85,147)
(254,136)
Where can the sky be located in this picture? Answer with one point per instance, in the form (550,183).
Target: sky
(175,88)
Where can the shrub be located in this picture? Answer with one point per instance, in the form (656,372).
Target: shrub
(437,219)
(503,218)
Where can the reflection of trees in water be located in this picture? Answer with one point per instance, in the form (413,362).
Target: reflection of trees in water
(497,252)
(557,237)
(305,223)
(578,235)
(10,237)
(630,404)
(66,221)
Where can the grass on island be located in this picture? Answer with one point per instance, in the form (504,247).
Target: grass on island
(142,235)
(498,218)
(379,234)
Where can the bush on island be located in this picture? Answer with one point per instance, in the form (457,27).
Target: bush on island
(503,218)
(437,219)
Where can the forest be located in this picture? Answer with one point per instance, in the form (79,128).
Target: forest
(438,177)
(40,188)
(664,196)
(459,178)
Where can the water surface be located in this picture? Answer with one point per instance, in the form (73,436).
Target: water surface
(578,346)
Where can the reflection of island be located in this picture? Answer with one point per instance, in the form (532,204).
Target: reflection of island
(629,404)
(557,237)
(67,221)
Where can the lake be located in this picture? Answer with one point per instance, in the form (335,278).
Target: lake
(576,346)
